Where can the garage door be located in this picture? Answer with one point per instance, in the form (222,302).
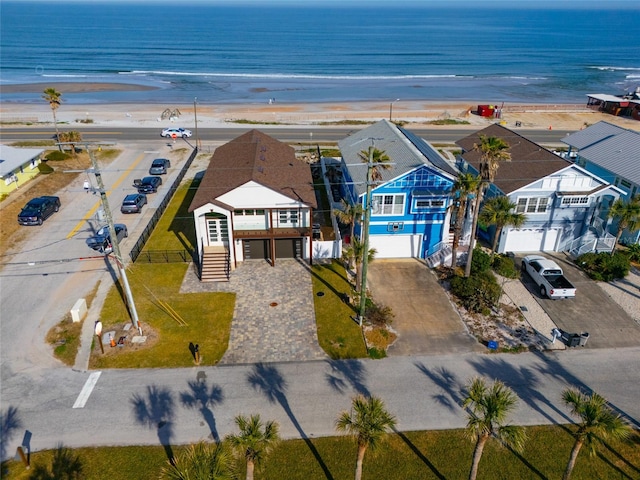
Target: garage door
(530,240)
(396,246)
(288,248)
(255,249)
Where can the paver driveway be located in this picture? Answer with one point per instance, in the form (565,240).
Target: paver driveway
(274,318)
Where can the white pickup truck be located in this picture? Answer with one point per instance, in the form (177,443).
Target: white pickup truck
(548,276)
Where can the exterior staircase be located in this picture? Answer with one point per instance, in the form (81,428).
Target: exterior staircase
(215,265)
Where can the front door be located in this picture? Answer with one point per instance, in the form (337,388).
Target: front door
(218,231)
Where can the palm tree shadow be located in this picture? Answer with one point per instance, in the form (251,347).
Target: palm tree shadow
(347,372)
(270,382)
(447,382)
(9,423)
(203,398)
(633,467)
(156,411)
(420,455)
(526,462)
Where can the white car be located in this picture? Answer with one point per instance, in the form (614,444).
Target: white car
(175,133)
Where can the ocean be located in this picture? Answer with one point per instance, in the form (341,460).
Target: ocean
(291,54)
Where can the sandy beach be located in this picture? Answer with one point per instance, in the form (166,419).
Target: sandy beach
(414,112)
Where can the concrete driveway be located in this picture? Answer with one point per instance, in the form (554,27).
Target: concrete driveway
(592,310)
(425,320)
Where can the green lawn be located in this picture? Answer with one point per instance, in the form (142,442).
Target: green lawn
(207,315)
(412,455)
(338,334)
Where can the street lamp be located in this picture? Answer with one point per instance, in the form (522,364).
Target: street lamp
(391,108)
(98,330)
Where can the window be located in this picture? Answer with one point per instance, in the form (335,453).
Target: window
(387,205)
(575,201)
(625,183)
(532,205)
(423,203)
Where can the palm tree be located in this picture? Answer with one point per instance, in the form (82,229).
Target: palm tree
(203,461)
(493,151)
(466,184)
(597,422)
(54,98)
(368,421)
(255,439)
(627,214)
(380,161)
(488,409)
(349,214)
(500,211)
(354,254)
(71,137)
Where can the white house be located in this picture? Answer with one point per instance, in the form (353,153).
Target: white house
(255,201)
(565,205)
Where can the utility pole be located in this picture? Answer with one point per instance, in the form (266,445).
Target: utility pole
(195,115)
(114,241)
(365,236)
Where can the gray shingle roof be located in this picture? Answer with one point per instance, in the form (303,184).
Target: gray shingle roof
(591,135)
(405,150)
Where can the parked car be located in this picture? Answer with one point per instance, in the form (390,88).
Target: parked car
(133,203)
(549,277)
(159,166)
(37,210)
(101,241)
(178,132)
(147,184)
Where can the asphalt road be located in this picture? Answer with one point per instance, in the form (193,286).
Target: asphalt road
(285,134)
(132,407)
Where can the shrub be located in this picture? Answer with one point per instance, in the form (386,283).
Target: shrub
(481,261)
(56,156)
(378,314)
(478,293)
(633,252)
(44,168)
(505,266)
(603,266)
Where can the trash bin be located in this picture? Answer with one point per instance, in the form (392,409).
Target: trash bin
(584,336)
(574,340)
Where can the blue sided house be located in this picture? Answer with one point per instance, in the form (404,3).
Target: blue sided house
(410,214)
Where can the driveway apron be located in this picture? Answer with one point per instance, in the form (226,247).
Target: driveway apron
(274,318)
(425,320)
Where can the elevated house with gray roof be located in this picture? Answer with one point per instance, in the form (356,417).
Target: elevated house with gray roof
(255,201)
(410,214)
(565,205)
(613,154)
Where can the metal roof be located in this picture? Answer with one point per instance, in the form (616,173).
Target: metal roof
(12,158)
(405,150)
(620,154)
(592,135)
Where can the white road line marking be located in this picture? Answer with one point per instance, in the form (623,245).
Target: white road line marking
(87,389)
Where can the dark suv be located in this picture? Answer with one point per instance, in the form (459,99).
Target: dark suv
(147,184)
(133,203)
(159,166)
(38,210)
